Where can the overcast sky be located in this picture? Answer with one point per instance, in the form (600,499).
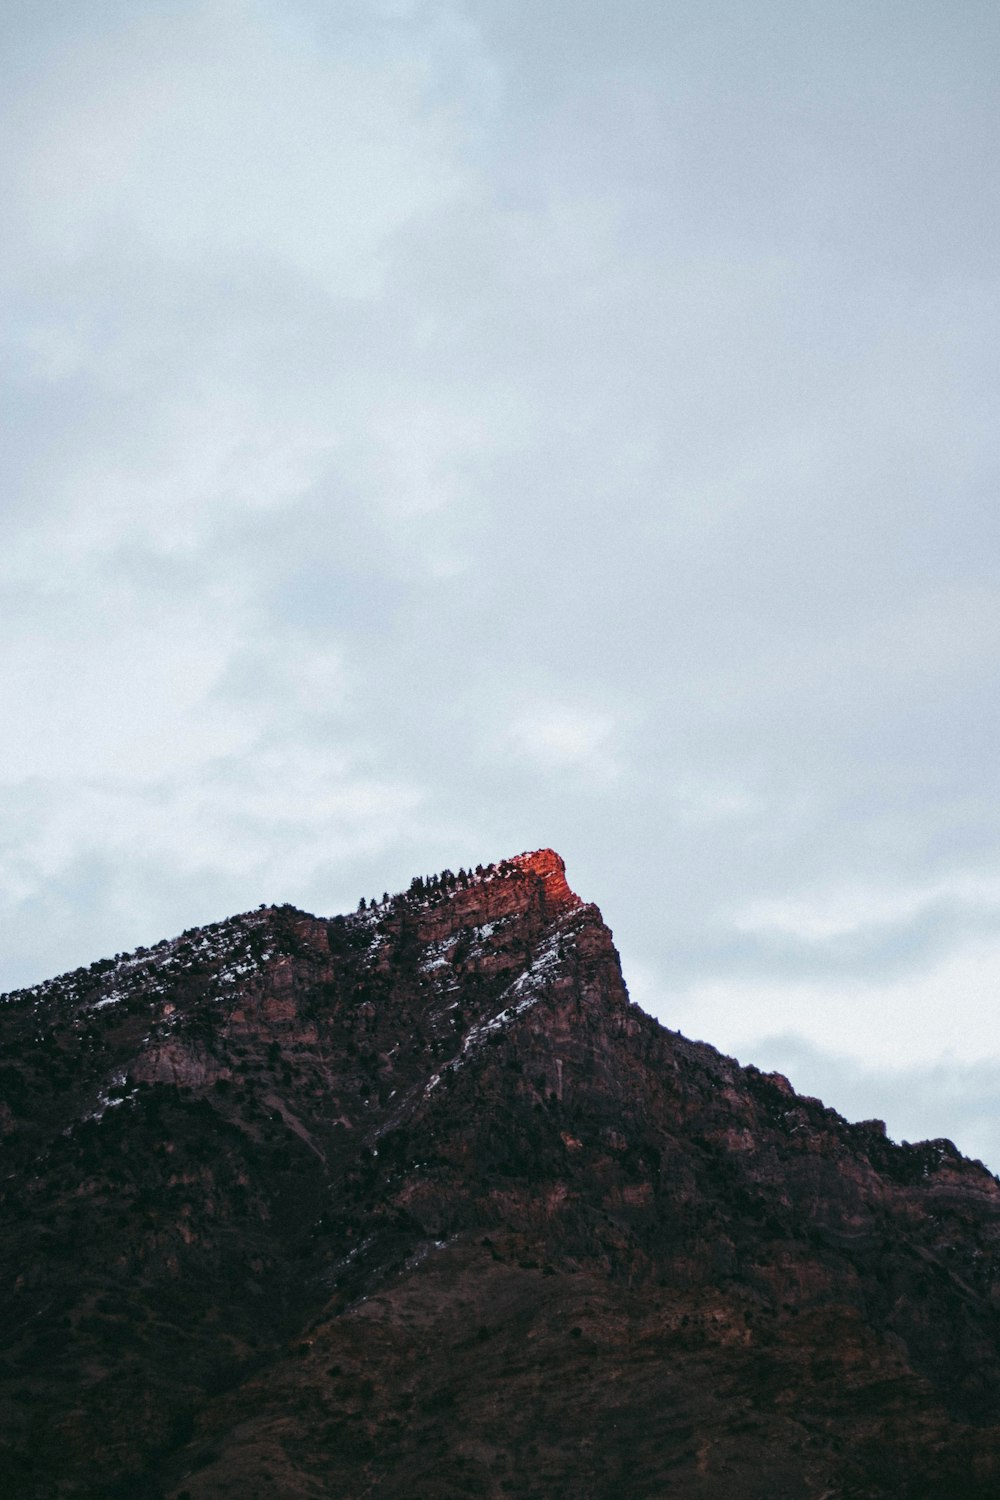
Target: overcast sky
(440,428)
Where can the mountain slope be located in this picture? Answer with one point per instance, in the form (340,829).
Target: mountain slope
(414,1203)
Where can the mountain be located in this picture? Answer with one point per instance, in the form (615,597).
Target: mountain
(413,1204)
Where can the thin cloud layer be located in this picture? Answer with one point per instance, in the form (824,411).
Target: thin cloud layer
(439,429)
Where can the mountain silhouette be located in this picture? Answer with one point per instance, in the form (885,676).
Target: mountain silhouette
(414,1204)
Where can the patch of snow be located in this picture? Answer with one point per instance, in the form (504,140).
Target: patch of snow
(525,991)
(478,1034)
(105,1101)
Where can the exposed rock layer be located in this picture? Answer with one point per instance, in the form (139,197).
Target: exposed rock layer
(414,1204)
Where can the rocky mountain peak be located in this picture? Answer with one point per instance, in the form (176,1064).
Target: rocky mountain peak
(413,1202)
(548,866)
(531,885)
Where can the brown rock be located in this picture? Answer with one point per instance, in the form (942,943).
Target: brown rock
(414,1203)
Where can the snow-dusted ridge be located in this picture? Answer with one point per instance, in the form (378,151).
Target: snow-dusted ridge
(240,946)
(234,948)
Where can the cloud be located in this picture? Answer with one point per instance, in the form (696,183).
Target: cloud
(859,916)
(559,738)
(944,1008)
(226,130)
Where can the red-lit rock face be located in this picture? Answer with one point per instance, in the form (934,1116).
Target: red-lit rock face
(530,886)
(413,1203)
(547,866)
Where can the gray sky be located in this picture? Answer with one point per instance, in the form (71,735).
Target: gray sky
(433,430)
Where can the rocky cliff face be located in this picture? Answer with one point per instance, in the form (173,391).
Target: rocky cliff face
(413,1203)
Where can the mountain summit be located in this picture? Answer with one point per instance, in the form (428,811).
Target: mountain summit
(413,1204)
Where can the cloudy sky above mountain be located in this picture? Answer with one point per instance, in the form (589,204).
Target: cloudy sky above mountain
(438,428)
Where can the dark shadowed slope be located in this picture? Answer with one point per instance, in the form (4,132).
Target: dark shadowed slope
(413,1204)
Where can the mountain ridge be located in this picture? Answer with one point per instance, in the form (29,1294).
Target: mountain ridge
(282,1146)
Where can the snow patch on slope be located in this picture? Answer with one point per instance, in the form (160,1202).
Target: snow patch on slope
(526,990)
